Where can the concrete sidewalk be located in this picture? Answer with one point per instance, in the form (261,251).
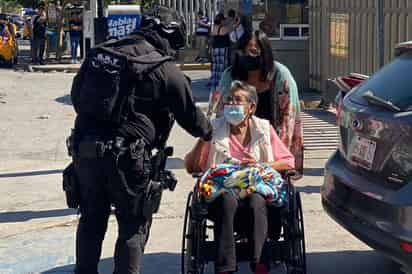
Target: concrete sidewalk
(37,231)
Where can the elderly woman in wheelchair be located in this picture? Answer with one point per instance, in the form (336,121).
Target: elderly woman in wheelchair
(243,140)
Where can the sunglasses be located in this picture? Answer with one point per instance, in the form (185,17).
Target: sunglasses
(240,100)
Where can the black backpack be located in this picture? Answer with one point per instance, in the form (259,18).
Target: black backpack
(108,79)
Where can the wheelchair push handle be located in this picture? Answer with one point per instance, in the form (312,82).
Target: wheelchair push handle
(287,174)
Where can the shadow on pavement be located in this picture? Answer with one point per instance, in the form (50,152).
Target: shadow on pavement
(350,262)
(339,262)
(22,216)
(31,173)
(65,100)
(318,171)
(200,90)
(153,263)
(308,189)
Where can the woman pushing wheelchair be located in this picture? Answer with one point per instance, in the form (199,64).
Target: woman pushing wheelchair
(246,150)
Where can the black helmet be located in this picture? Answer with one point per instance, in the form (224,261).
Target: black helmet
(174,31)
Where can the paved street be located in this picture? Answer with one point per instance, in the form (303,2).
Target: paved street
(37,232)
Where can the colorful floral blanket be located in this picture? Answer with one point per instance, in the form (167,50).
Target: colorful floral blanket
(242,181)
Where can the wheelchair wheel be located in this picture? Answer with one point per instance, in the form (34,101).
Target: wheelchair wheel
(296,237)
(193,237)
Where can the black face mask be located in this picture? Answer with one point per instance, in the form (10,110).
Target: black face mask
(249,63)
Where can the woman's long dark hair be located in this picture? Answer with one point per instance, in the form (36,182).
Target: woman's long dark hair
(219,19)
(267,66)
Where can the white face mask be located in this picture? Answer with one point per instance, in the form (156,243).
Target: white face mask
(234,114)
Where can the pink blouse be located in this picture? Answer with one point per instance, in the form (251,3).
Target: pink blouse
(237,150)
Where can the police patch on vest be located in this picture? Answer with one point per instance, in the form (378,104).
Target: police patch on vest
(107,59)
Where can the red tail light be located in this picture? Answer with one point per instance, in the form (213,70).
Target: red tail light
(406,247)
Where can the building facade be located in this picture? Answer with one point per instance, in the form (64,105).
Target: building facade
(343,36)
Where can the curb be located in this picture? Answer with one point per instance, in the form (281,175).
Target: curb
(185,67)
(69,68)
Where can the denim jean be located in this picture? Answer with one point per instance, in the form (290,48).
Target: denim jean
(74,44)
(202,45)
(38,46)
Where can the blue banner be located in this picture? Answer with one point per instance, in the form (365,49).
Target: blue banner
(122,25)
(247,6)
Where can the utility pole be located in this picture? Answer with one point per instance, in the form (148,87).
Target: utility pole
(380,31)
(100,24)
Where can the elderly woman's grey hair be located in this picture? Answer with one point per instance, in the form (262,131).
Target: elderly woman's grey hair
(251,90)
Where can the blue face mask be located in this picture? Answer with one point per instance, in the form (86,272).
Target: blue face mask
(234,114)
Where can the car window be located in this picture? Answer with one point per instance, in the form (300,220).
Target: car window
(392,83)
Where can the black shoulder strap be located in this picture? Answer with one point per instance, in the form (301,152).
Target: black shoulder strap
(36,20)
(218,29)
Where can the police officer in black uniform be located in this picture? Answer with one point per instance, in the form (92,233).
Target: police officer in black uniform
(111,161)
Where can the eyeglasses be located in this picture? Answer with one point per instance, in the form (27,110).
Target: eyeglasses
(231,99)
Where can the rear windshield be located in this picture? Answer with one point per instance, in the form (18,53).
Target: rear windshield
(392,83)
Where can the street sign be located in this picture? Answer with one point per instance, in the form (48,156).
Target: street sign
(123,20)
(247,7)
(122,25)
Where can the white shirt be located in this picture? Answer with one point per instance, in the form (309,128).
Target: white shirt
(237,33)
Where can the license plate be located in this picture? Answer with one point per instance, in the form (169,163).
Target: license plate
(363,152)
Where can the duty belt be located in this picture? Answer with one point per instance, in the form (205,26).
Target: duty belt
(92,147)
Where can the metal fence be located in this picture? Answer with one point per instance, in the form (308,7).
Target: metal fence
(189,8)
(343,36)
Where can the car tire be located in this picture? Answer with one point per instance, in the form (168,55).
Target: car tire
(9,64)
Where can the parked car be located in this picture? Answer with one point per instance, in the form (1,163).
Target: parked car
(368,181)
(8,46)
(18,22)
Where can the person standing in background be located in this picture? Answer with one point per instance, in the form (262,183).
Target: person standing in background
(220,44)
(202,36)
(230,20)
(75,26)
(39,25)
(278,97)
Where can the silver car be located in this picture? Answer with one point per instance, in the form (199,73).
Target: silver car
(368,180)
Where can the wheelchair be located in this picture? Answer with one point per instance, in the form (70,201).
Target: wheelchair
(198,249)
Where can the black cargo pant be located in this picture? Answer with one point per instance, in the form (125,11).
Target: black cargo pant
(250,216)
(38,47)
(101,184)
